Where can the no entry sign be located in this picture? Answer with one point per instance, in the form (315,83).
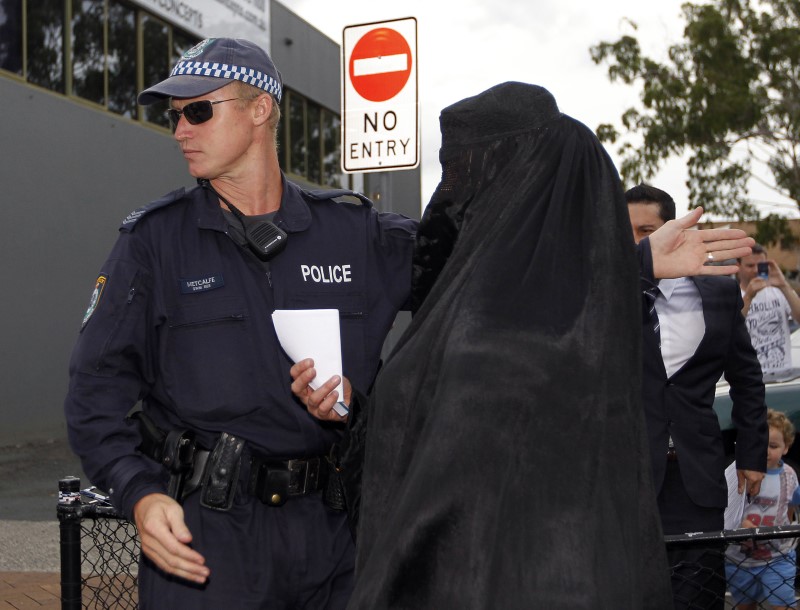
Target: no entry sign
(380,64)
(380,123)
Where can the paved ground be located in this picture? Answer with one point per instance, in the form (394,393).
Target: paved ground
(29,475)
(25,590)
(29,550)
(29,529)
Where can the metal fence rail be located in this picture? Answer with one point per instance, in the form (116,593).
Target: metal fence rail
(100,553)
(711,574)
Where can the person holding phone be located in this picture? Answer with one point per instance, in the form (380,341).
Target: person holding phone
(769,302)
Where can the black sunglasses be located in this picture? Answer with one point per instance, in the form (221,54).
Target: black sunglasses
(196,112)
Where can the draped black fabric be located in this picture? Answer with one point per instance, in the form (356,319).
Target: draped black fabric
(505,460)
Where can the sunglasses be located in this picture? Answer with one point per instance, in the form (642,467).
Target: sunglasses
(196,112)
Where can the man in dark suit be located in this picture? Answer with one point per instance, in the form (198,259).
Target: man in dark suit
(695,335)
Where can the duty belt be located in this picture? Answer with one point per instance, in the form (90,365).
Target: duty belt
(216,472)
(273,481)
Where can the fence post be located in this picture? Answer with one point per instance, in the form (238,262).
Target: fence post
(69,517)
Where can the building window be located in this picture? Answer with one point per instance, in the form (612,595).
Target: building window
(331,149)
(11,36)
(295,120)
(156,65)
(45,48)
(89,49)
(121,60)
(88,55)
(310,141)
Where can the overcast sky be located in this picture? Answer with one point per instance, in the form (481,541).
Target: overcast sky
(468,46)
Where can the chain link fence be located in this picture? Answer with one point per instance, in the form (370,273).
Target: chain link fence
(100,553)
(747,568)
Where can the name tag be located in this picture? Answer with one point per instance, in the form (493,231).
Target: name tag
(201,284)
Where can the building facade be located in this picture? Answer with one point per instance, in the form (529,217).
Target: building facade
(78,154)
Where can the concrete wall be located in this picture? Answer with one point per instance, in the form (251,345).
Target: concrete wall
(69,174)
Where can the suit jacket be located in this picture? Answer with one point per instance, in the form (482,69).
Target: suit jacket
(681,405)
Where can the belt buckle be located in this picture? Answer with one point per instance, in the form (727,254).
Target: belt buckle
(305,475)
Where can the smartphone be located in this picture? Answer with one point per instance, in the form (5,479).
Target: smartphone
(763,270)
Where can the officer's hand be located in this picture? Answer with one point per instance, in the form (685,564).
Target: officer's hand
(319,402)
(679,251)
(752,479)
(165,538)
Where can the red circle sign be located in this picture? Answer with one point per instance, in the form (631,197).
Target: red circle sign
(380,64)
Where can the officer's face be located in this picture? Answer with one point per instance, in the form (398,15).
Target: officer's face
(644,219)
(215,146)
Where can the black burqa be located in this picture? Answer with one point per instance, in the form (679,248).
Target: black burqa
(505,459)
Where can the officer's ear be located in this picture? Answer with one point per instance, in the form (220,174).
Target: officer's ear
(262,108)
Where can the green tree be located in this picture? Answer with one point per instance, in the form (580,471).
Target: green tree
(774,230)
(728,94)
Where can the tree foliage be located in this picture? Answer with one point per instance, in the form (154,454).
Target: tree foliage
(774,230)
(731,86)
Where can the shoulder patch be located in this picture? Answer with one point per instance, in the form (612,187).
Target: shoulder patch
(131,219)
(325,194)
(97,293)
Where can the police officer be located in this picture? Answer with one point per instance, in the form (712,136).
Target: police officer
(223,470)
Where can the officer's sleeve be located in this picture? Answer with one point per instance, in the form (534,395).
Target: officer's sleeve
(110,370)
(394,240)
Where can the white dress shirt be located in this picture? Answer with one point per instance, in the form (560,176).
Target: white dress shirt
(680,314)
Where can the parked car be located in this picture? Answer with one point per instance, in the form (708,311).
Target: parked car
(780,395)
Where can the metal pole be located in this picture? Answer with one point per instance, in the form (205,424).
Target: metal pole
(69,517)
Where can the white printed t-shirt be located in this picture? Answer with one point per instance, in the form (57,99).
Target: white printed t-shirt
(768,324)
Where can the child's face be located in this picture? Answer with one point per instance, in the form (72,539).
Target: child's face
(777,447)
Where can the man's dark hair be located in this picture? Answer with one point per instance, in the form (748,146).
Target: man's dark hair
(756,249)
(644,193)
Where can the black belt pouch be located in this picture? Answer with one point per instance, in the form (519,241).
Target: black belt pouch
(221,474)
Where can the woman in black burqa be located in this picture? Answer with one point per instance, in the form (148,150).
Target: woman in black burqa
(505,451)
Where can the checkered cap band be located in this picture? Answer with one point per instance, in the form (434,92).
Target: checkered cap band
(246,75)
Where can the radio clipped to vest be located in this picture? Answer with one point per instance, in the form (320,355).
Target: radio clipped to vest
(264,238)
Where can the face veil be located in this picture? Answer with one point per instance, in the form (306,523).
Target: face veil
(505,462)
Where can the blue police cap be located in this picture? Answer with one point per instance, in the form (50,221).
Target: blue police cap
(213,63)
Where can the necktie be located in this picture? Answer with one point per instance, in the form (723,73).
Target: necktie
(652,315)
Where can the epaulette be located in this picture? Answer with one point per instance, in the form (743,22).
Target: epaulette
(325,194)
(132,218)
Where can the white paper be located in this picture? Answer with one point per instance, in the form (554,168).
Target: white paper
(313,333)
(734,513)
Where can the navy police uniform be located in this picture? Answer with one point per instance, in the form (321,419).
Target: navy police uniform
(180,320)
